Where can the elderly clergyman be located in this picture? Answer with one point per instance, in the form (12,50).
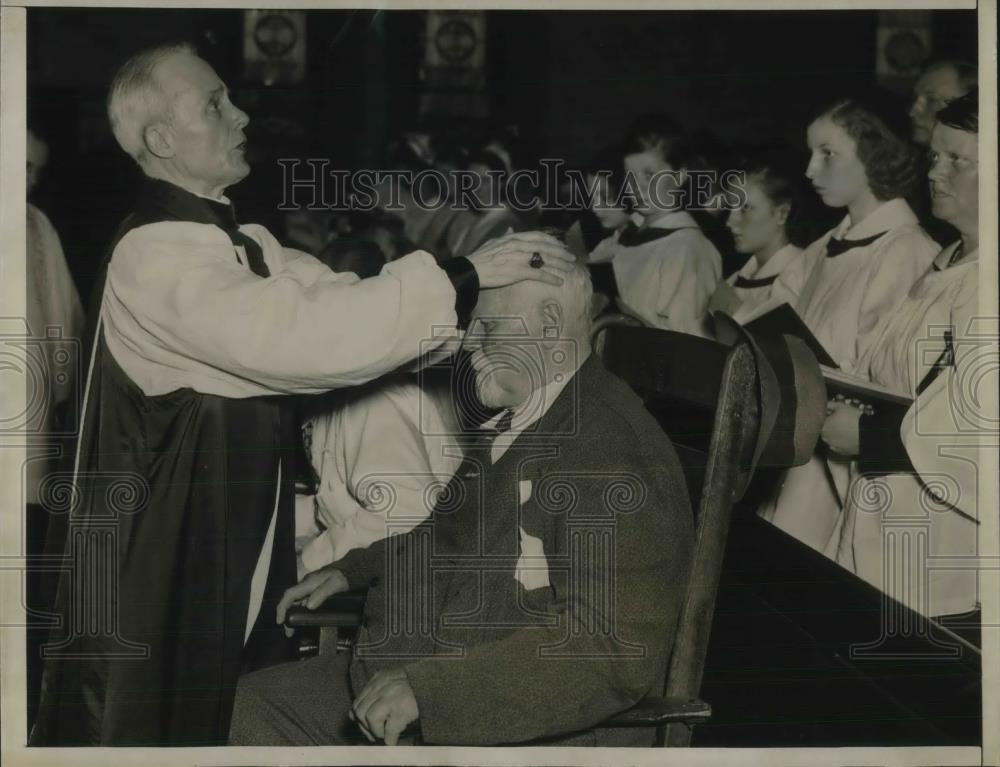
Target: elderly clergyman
(201,323)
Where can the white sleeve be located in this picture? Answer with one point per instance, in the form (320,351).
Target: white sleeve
(895,267)
(190,312)
(688,276)
(380,481)
(950,432)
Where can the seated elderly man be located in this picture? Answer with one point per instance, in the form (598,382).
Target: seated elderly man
(541,595)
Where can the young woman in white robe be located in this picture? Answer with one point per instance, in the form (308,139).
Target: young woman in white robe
(851,280)
(910,524)
(760,227)
(665,269)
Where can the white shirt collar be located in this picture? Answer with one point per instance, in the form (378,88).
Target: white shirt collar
(527,413)
(775,265)
(889,215)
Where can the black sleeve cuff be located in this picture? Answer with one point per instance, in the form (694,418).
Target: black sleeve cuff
(880,446)
(465,280)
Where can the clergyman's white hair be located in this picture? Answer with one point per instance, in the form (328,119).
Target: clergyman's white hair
(135,99)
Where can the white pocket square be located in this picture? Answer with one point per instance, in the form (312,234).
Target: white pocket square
(532,569)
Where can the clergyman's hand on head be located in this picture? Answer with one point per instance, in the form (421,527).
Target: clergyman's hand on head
(312,591)
(508,259)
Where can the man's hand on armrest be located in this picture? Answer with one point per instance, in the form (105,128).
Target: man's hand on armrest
(311,592)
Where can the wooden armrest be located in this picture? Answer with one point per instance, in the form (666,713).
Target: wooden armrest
(339,611)
(651,712)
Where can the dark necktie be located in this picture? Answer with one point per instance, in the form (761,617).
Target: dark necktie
(478,452)
(954,259)
(835,247)
(227,222)
(745,282)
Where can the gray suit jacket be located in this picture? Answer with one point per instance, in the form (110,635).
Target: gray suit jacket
(492,662)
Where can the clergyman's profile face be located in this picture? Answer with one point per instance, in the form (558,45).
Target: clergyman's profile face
(205,128)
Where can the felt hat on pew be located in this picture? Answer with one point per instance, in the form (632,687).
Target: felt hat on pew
(792,394)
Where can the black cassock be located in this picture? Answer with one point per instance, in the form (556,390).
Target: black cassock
(175,494)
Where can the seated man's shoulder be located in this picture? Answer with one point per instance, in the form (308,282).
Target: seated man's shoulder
(612,412)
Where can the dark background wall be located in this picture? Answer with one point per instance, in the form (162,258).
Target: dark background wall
(571,80)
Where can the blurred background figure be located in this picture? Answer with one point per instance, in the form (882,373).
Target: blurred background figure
(308,230)
(941,83)
(52,305)
(605,216)
(354,254)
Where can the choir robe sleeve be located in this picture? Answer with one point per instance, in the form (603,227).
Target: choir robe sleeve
(899,260)
(375,474)
(687,277)
(950,431)
(180,311)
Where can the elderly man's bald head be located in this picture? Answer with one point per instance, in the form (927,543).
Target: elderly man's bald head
(528,301)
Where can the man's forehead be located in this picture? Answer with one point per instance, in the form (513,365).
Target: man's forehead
(946,137)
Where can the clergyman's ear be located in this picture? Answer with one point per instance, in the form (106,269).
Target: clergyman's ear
(158,142)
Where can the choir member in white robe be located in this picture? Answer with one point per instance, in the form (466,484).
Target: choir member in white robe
(381,455)
(911,517)
(202,325)
(665,270)
(851,280)
(760,227)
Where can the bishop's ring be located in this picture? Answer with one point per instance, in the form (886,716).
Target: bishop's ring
(536,261)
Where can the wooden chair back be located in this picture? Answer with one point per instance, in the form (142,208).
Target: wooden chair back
(705,396)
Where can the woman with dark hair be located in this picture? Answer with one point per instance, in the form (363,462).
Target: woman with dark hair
(604,215)
(665,269)
(763,229)
(925,348)
(491,214)
(851,280)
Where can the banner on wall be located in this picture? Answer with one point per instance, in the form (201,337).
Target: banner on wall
(904,45)
(453,71)
(274,46)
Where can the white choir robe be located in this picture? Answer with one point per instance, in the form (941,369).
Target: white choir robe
(845,300)
(941,500)
(666,282)
(752,298)
(382,460)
